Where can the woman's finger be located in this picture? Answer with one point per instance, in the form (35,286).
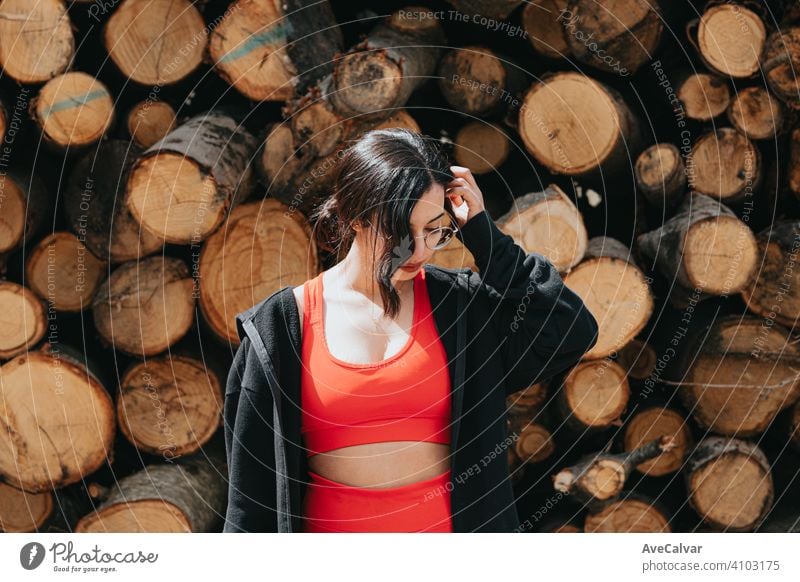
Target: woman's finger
(466,192)
(464,174)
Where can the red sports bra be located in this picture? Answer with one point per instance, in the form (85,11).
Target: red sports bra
(405,397)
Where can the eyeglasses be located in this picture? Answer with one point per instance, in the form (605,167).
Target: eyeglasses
(438,237)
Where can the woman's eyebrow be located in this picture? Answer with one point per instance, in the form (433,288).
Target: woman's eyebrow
(437,218)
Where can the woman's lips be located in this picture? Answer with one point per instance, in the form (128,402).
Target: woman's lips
(410,267)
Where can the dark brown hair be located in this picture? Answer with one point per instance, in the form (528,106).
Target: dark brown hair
(377,181)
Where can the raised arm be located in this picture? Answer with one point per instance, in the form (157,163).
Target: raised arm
(542,326)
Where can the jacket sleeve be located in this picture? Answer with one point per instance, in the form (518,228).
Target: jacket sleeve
(247,414)
(542,327)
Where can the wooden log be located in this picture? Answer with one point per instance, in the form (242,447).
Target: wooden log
(549,223)
(652,421)
(695,248)
(533,395)
(574,125)
(187,495)
(661,175)
(36,40)
(22,512)
(600,477)
(627,33)
(773,293)
(369,82)
(62,271)
(264,247)
(170,405)
(729,484)
(478,81)
(273,51)
(92,207)
(704,96)
(724,164)
(528,426)
(73,110)
(736,374)
(281,162)
(24,319)
(156,43)
(145,306)
(497,9)
(93,204)
(729,38)
(540,21)
(148,122)
(756,113)
(183,186)
(633,513)
(481,147)
(780,62)
(26,207)
(593,396)
(615,290)
(58,416)
(637,358)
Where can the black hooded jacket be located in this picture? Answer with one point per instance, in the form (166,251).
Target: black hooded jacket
(504,328)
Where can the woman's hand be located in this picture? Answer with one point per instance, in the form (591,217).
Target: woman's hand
(463,192)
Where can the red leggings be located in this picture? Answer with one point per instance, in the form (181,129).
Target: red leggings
(424,506)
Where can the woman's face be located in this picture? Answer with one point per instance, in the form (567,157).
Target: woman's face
(428,214)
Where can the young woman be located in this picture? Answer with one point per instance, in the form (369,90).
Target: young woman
(379,387)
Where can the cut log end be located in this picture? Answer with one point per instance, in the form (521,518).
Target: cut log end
(265,246)
(480,147)
(650,423)
(148,122)
(145,516)
(570,123)
(73,109)
(596,393)
(367,82)
(174,199)
(71,431)
(22,512)
(618,296)
(628,515)
(720,255)
(61,270)
(190,402)
(36,40)
(731,40)
(730,484)
(24,317)
(704,96)
(140,33)
(145,306)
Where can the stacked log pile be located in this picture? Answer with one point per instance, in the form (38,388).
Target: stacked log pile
(160,160)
